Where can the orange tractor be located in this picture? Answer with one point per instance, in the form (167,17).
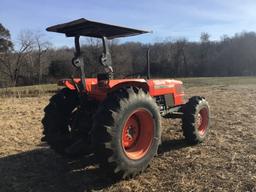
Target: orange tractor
(119,120)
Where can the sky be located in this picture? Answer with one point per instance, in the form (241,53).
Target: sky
(168,19)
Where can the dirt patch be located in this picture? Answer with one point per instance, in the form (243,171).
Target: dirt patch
(225,162)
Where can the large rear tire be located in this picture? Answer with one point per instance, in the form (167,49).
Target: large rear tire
(196,120)
(126,132)
(64,125)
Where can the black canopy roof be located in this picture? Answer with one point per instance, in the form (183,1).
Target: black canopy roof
(84,27)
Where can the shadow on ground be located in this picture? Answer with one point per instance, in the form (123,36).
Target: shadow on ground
(43,170)
(169,145)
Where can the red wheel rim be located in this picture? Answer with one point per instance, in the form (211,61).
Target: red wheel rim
(137,134)
(202,121)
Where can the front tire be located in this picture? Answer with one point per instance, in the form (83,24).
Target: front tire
(126,132)
(195,120)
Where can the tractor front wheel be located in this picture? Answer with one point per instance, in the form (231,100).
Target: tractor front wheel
(126,132)
(195,120)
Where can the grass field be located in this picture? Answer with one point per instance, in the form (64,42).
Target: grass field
(226,161)
(49,89)
(29,91)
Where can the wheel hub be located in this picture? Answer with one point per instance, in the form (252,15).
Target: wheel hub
(138,134)
(202,121)
(131,132)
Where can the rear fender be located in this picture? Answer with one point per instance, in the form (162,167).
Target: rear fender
(142,85)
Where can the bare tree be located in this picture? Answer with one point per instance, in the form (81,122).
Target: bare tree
(204,53)
(13,60)
(40,48)
(179,57)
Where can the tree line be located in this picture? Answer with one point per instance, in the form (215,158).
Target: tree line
(34,60)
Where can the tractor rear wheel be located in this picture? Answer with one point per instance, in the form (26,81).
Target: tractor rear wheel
(195,120)
(126,132)
(64,125)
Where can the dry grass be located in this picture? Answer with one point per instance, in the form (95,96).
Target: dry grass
(29,91)
(49,89)
(226,161)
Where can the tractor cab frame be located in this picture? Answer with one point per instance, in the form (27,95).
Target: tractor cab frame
(106,32)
